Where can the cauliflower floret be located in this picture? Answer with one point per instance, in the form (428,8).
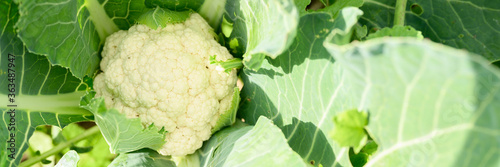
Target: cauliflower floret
(164,77)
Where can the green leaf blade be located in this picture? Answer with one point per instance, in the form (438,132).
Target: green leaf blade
(58,30)
(460,24)
(121,133)
(270,27)
(396,31)
(144,157)
(429,104)
(176,5)
(37,83)
(228,117)
(124,13)
(298,91)
(338,5)
(159,17)
(263,144)
(71,33)
(349,129)
(210,10)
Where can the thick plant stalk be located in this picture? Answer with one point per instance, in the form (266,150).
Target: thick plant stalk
(60,147)
(399,14)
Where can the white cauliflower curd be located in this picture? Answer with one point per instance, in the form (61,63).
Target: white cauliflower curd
(164,77)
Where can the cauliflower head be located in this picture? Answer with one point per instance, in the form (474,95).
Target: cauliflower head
(164,77)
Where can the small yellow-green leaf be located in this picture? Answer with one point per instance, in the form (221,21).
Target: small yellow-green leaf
(349,129)
(227,27)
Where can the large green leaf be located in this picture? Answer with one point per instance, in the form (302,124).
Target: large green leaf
(143,157)
(71,33)
(428,104)
(261,145)
(264,28)
(467,24)
(298,91)
(44,94)
(121,133)
(124,13)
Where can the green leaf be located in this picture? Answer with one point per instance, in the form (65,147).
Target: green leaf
(190,160)
(159,17)
(350,129)
(302,6)
(261,145)
(234,45)
(122,134)
(237,40)
(58,30)
(338,5)
(45,162)
(359,32)
(396,31)
(211,153)
(370,148)
(124,13)
(228,117)
(44,94)
(71,33)
(226,27)
(269,28)
(298,91)
(143,157)
(345,27)
(329,8)
(175,5)
(210,10)
(70,159)
(429,104)
(361,158)
(470,25)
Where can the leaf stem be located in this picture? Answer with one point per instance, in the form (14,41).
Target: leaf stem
(67,103)
(60,147)
(399,15)
(228,65)
(104,25)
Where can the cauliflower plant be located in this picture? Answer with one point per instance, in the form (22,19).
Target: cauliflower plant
(164,77)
